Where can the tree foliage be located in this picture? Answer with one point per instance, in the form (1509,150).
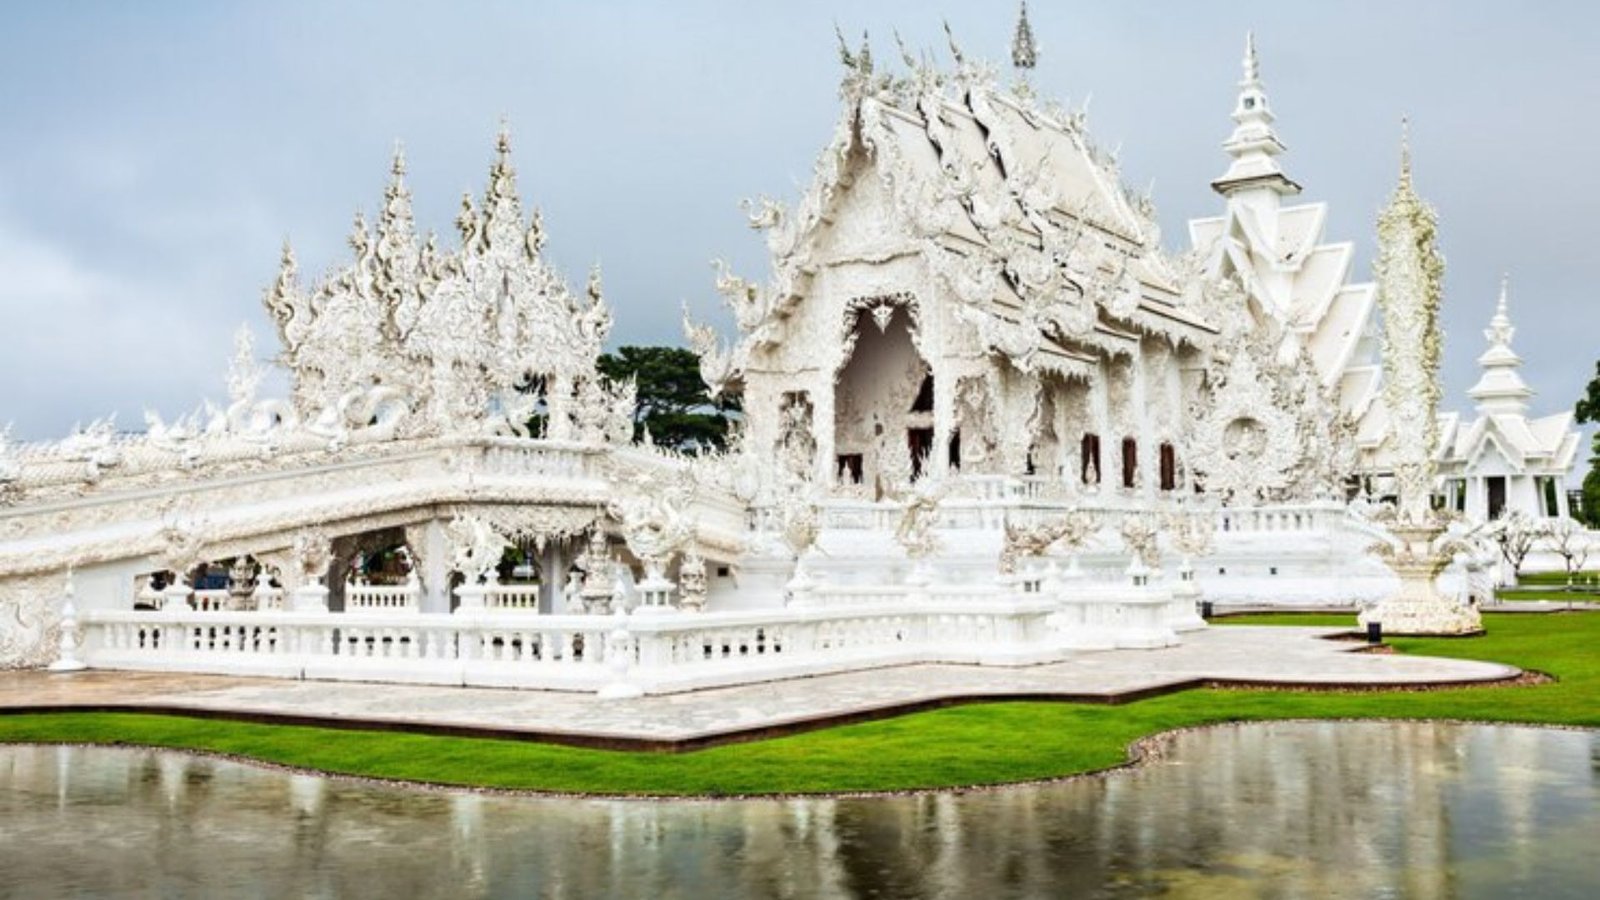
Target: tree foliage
(674,404)
(1588,411)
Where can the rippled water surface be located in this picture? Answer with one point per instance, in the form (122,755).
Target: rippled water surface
(1280,810)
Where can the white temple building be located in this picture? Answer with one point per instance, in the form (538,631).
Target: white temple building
(1292,275)
(1501,461)
(988,419)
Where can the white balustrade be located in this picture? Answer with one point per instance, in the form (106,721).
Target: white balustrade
(498,647)
(524,597)
(360,597)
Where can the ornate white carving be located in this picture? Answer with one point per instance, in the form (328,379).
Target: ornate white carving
(475,547)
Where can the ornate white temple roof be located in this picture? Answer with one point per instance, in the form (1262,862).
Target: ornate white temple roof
(1292,277)
(1008,202)
(1547,445)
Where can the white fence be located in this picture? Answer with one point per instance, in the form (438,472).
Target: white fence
(360,597)
(654,653)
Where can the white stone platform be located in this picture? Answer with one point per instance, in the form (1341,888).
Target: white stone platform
(1233,654)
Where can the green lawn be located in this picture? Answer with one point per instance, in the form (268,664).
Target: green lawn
(1556,595)
(977,744)
(1558,580)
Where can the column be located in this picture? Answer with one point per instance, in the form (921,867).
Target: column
(435,552)
(821,396)
(1142,432)
(943,420)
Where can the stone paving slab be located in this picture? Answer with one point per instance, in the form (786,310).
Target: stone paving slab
(1233,654)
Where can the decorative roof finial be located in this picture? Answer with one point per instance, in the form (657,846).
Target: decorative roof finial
(398,165)
(905,55)
(1501,389)
(1405,151)
(846,58)
(1254,145)
(1024,53)
(502,140)
(955,51)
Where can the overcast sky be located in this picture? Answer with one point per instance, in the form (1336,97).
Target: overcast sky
(154,155)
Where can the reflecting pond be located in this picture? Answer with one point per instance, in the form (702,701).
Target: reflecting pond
(1274,810)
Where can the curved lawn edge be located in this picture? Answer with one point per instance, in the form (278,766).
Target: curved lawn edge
(956,748)
(1141,752)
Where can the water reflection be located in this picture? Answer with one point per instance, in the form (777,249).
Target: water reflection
(1282,810)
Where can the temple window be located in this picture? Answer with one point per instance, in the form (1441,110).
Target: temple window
(1169,467)
(920,443)
(1130,462)
(1090,459)
(924,401)
(850,468)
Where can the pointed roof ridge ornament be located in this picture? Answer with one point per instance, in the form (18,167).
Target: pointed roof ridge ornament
(846,58)
(502,138)
(397,163)
(1024,51)
(906,56)
(1252,62)
(1505,291)
(955,49)
(1254,145)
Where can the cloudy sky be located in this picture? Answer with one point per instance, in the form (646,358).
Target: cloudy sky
(154,155)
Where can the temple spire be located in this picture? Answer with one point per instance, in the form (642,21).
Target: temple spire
(1500,389)
(1024,52)
(1254,145)
(1410,277)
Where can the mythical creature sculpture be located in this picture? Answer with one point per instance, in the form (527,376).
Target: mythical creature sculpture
(916,531)
(650,510)
(692,582)
(1191,533)
(1071,529)
(1139,534)
(476,547)
(29,621)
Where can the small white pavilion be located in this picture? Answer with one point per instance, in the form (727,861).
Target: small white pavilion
(1502,461)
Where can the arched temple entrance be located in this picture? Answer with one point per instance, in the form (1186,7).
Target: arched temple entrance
(883,405)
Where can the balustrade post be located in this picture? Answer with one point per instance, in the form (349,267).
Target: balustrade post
(472,597)
(619,647)
(310,598)
(68,660)
(175,596)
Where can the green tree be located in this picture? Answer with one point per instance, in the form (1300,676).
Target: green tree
(1588,410)
(673,401)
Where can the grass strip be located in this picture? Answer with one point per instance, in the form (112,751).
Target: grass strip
(978,744)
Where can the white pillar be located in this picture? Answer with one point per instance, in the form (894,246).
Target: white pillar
(435,568)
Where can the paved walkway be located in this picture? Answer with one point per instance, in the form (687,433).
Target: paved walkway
(1232,654)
